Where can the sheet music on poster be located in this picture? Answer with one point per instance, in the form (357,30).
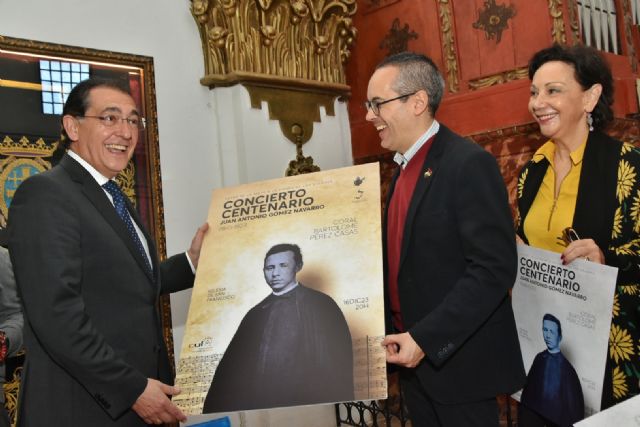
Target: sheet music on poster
(334,216)
(580,295)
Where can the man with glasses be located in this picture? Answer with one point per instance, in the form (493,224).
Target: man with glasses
(450,255)
(90,278)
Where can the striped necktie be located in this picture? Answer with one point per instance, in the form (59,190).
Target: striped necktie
(121,208)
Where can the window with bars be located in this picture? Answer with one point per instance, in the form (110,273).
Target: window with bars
(57,79)
(599,25)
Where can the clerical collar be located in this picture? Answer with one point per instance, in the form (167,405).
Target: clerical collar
(286,290)
(100,179)
(403,159)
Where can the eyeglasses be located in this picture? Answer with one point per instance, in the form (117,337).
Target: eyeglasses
(569,235)
(374,106)
(111,120)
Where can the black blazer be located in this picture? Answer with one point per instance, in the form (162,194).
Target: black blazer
(93,333)
(457,264)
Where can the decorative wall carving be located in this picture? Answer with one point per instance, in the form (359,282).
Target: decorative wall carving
(448,44)
(397,39)
(300,39)
(301,164)
(628,24)
(507,76)
(557,32)
(296,123)
(574,20)
(19,159)
(494,19)
(276,48)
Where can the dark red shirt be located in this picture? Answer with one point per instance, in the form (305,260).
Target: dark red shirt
(396,217)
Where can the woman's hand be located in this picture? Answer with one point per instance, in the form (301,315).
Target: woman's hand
(583,248)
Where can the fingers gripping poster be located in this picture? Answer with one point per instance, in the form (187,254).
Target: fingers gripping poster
(287,307)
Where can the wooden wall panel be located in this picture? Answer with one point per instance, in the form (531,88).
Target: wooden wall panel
(478,55)
(530,30)
(489,96)
(487,109)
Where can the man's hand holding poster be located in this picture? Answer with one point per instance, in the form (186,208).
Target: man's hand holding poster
(287,307)
(563,315)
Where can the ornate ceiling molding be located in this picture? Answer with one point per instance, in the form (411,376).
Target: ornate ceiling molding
(448,44)
(557,32)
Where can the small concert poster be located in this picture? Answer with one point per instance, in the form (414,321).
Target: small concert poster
(563,315)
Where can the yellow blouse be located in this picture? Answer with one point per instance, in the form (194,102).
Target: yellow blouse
(549,215)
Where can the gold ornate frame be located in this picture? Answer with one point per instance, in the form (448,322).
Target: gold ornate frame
(147,192)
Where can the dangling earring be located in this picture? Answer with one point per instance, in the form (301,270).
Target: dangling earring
(590,122)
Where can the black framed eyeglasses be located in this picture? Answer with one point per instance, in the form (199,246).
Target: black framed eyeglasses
(374,106)
(110,120)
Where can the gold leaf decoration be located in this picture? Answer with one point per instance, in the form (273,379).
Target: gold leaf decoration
(299,39)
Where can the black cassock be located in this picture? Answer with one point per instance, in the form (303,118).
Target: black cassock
(293,349)
(553,389)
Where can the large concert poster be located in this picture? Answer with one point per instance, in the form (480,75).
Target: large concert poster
(563,314)
(250,341)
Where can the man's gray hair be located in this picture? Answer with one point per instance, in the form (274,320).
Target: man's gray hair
(417,72)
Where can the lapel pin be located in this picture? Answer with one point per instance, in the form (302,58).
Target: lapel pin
(428,173)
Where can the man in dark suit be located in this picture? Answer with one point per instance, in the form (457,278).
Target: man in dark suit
(450,256)
(90,278)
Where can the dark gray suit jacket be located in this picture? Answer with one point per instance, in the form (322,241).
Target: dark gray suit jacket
(11,320)
(93,333)
(457,264)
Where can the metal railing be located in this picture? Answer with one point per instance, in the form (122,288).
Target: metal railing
(380,413)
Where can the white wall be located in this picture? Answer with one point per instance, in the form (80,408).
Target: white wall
(208,138)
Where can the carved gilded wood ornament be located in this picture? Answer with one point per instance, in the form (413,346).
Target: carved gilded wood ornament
(448,44)
(494,19)
(496,79)
(397,39)
(558,32)
(276,47)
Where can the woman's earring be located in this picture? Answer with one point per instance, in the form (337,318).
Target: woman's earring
(590,122)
